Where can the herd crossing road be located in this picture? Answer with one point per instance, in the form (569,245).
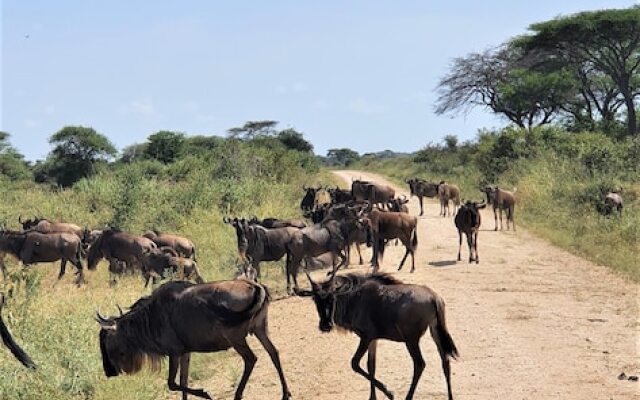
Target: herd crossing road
(531,321)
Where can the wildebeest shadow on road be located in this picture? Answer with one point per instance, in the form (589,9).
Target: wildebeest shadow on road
(442,263)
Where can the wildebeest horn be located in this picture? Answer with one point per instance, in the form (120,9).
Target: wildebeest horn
(304,187)
(119,309)
(20,218)
(100,318)
(225,220)
(313,284)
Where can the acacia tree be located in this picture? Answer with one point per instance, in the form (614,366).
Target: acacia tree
(251,129)
(605,42)
(496,79)
(77,151)
(342,156)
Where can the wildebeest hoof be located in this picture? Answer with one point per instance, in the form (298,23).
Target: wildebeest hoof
(622,376)
(202,393)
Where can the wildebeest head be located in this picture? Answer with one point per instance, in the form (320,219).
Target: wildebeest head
(118,355)
(413,183)
(240,225)
(490,191)
(324,296)
(29,223)
(471,209)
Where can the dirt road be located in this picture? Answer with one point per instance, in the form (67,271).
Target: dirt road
(531,321)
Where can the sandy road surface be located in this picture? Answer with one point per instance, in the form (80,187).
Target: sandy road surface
(531,322)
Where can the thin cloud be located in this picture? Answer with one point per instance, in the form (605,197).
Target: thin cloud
(142,107)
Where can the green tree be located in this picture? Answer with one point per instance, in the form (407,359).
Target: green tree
(133,153)
(12,163)
(451,142)
(251,129)
(165,146)
(343,156)
(294,140)
(77,152)
(607,41)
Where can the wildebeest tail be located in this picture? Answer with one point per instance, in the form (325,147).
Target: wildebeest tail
(18,353)
(414,239)
(441,328)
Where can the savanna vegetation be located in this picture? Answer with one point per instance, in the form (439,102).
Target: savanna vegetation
(172,182)
(570,89)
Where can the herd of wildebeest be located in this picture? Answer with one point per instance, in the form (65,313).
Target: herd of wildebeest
(181,317)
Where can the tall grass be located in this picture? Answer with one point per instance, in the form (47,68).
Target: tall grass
(54,321)
(560,180)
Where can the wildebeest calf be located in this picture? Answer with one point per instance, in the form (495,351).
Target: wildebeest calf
(180,318)
(379,306)
(467,221)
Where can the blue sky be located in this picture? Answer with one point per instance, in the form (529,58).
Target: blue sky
(358,74)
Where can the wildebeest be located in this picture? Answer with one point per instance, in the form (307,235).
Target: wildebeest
(372,192)
(180,318)
(318,213)
(446,193)
(387,225)
(257,244)
(32,247)
(167,259)
(312,241)
(379,306)
(11,344)
(399,205)
(183,246)
(117,246)
(421,189)
(501,200)
(467,221)
(271,223)
(613,202)
(340,196)
(44,225)
(309,201)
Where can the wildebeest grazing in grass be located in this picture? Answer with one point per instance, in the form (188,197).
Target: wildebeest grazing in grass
(379,306)
(11,344)
(180,318)
(44,225)
(183,246)
(32,247)
(467,221)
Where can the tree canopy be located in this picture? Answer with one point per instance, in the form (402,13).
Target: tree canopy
(12,163)
(165,146)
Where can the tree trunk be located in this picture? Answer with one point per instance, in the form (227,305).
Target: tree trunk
(632,123)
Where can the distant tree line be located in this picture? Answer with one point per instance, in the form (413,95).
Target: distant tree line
(79,152)
(581,70)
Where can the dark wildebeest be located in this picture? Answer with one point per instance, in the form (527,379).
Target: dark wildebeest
(467,221)
(340,196)
(613,202)
(43,225)
(117,246)
(446,193)
(271,223)
(380,307)
(501,200)
(399,204)
(312,241)
(257,244)
(380,194)
(318,213)
(32,247)
(309,201)
(422,189)
(11,344)
(387,225)
(166,259)
(183,246)
(180,318)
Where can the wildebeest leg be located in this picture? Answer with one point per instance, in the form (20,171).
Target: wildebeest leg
(500,211)
(475,246)
(184,372)
(249,361)
(3,267)
(78,264)
(359,253)
(418,365)
(261,334)
(459,243)
(495,217)
(355,365)
(63,266)
(446,367)
(174,363)
(371,367)
(406,253)
(470,245)
(421,208)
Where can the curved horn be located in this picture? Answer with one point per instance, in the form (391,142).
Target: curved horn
(313,284)
(99,317)
(304,187)
(119,309)
(404,198)
(225,220)
(20,218)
